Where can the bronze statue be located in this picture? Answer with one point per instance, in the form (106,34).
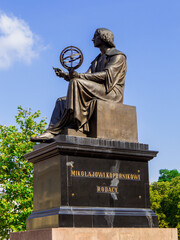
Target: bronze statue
(104,80)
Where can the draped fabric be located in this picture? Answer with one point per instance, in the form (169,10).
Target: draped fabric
(104,80)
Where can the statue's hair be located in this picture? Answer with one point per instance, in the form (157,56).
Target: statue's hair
(106,36)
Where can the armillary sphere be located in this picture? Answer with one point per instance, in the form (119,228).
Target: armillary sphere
(71,58)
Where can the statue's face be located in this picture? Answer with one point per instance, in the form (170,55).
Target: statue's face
(97,40)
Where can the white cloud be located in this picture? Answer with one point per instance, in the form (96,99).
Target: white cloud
(17,41)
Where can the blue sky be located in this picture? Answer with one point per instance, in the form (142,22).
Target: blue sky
(33,33)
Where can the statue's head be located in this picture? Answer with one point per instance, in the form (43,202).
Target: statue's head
(105,35)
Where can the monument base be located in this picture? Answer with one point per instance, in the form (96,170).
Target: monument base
(92,217)
(88,182)
(97,234)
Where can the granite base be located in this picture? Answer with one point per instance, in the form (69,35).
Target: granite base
(88,182)
(97,234)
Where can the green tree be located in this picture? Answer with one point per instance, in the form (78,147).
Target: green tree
(167,175)
(165,202)
(15,172)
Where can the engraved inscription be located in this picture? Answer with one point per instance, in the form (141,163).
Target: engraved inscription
(103,189)
(106,175)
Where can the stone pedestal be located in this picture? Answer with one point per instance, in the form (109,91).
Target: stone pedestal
(114,121)
(97,234)
(88,182)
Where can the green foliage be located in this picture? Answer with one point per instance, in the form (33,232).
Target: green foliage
(15,172)
(167,175)
(165,202)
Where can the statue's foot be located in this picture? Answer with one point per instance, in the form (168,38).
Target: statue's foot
(45,137)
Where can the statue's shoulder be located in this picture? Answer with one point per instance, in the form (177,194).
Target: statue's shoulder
(113,52)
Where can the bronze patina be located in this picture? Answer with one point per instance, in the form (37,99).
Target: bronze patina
(104,80)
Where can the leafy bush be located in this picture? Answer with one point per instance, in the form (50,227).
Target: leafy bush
(165,202)
(16,174)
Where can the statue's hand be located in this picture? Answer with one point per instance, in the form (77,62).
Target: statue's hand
(60,73)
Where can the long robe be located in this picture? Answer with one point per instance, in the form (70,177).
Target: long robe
(104,80)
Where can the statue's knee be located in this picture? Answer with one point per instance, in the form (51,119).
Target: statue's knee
(61,99)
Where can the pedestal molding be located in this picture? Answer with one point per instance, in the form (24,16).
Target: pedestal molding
(91,147)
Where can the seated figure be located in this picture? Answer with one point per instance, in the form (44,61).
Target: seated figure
(104,80)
